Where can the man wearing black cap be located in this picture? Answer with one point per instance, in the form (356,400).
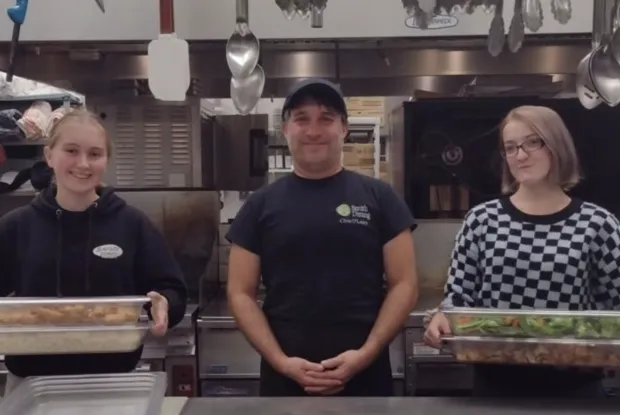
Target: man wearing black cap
(322,239)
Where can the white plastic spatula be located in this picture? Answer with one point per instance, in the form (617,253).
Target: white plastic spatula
(168,59)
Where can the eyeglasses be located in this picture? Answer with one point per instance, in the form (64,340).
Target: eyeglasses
(528,146)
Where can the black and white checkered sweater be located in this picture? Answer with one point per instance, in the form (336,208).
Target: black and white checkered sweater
(506,259)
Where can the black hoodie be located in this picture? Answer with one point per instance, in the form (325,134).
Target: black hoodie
(46,251)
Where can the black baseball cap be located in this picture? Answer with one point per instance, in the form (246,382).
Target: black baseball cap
(322,91)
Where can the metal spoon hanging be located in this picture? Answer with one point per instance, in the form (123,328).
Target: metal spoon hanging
(561,10)
(243,48)
(532,15)
(246,92)
(604,67)
(586,92)
(516,33)
(497,31)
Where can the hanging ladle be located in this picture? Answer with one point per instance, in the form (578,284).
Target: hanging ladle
(243,48)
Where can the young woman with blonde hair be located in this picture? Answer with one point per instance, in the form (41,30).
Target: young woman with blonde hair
(537,248)
(54,247)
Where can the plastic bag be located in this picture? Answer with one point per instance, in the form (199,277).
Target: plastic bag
(35,120)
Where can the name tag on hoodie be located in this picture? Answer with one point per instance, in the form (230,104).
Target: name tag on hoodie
(109,251)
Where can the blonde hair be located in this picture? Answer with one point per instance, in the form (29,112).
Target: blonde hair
(549,126)
(80,116)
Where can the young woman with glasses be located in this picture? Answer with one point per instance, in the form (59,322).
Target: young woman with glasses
(537,248)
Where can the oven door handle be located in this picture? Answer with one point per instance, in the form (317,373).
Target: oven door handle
(4,372)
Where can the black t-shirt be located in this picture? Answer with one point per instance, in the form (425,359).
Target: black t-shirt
(321,245)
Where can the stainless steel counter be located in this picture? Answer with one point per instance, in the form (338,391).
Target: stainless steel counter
(393,406)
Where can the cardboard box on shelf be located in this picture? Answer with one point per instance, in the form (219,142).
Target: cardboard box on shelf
(360,155)
(359,149)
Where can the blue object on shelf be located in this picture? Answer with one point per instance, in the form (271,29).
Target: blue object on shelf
(17,13)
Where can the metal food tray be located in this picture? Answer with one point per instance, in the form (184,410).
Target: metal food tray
(71,340)
(486,322)
(551,352)
(25,311)
(114,394)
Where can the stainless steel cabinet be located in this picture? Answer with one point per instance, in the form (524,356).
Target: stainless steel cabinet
(156,144)
(161,145)
(229,366)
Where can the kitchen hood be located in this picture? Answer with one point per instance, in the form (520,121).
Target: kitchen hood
(394,67)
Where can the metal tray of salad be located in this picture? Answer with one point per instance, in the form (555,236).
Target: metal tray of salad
(549,352)
(534,323)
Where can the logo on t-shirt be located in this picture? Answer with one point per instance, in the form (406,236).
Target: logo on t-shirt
(343,210)
(353,214)
(109,251)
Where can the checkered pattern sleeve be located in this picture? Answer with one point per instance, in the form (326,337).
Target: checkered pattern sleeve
(464,274)
(605,256)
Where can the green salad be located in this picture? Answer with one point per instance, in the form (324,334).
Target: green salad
(537,326)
